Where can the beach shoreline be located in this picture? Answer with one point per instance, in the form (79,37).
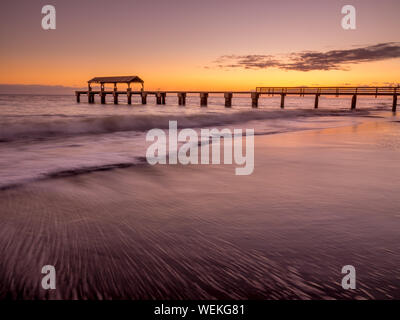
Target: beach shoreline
(318,200)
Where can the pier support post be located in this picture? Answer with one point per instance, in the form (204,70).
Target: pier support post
(182,98)
(115,94)
(144,97)
(163,96)
(102,94)
(254,99)
(228,99)
(89,94)
(353,102)
(78,97)
(394,103)
(158,98)
(91,97)
(203,99)
(283,100)
(316,101)
(129,95)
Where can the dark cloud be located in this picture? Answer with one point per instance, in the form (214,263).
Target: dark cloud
(252,61)
(312,60)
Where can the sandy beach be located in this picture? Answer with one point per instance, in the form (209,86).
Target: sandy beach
(319,199)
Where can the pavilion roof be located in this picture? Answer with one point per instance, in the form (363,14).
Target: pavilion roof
(122,79)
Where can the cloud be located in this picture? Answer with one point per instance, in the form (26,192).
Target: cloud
(312,60)
(255,61)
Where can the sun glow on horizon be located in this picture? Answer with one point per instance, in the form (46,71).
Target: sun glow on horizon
(174,47)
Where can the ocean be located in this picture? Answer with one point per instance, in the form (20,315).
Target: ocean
(43,136)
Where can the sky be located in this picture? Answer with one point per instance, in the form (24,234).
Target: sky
(201,45)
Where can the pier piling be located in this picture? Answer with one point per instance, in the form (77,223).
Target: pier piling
(129,95)
(394,103)
(163,96)
(115,94)
(158,97)
(78,97)
(144,97)
(91,97)
(203,99)
(353,102)
(101,94)
(254,99)
(228,99)
(283,100)
(181,98)
(316,101)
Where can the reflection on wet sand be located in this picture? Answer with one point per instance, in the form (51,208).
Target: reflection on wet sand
(318,200)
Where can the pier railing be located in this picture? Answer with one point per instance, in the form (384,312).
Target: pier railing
(371,91)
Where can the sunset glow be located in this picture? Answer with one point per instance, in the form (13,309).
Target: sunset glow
(174,46)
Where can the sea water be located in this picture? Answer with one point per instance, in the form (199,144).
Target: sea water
(48,135)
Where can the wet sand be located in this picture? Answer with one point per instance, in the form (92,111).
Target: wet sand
(317,200)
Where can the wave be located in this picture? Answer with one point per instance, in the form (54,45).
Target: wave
(139,161)
(31,129)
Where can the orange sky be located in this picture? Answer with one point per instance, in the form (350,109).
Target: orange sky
(169,43)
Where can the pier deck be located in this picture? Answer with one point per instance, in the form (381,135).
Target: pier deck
(255,95)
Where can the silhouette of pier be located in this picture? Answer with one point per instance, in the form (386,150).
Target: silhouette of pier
(161,96)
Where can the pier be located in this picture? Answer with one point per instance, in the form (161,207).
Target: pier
(332,91)
(161,96)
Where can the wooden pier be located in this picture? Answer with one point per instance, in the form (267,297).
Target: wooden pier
(332,91)
(161,96)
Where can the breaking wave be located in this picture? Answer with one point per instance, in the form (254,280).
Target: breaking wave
(72,126)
